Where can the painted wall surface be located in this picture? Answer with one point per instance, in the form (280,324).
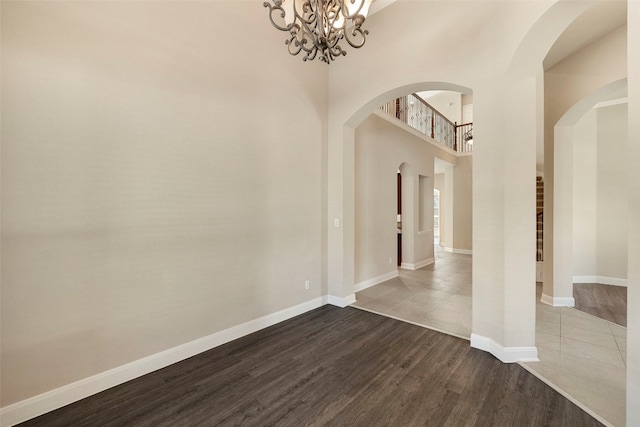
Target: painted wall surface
(448,103)
(462,204)
(633,182)
(467,108)
(381,148)
(599,200)
(155,187)
(585,142)
(438,183)
(612,192)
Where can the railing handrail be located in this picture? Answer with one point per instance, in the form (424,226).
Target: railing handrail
(434,109)
(422,117)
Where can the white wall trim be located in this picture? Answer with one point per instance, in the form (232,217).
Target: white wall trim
(558,301)
(459,251)
(57,398)
(603,280)
(341,302)
(463,251)
(612,102)
(504,354)
(376,280)
(425,262)
(417,265)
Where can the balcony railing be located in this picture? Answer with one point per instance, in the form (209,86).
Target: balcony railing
(417,113)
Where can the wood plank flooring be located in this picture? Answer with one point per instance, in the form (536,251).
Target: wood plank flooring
(331,366)
(604,301)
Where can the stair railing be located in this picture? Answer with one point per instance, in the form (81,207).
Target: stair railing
(539,236)
(421,116)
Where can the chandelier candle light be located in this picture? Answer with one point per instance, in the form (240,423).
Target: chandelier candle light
(317,26)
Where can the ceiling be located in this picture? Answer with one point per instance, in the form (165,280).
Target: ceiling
(595,23)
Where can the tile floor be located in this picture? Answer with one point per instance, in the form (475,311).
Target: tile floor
(582,356)
(437,296)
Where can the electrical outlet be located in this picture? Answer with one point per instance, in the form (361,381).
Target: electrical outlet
(390,260)
(307,284)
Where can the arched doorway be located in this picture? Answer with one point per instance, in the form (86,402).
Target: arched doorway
(385,149)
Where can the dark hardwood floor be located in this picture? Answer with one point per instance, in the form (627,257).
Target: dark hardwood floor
(604,301)
(331,366)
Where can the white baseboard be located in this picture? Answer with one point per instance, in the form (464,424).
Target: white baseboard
(504,354)
(341,302)
(57,398)
(558,301)
(604,280)
(417,265)
(459,251)
(376,280)
(425,262)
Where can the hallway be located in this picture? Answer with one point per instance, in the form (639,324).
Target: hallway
(581,356)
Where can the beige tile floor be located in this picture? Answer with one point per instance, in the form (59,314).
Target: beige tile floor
(584,357)
(581,356)
(437,296)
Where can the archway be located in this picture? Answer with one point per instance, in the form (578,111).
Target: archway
(563,216)
(341,274)
(385,146)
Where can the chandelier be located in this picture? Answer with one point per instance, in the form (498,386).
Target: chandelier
(316,27)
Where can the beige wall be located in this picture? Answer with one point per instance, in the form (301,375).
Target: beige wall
(158,184)
(449,104)
(633,209)
(612,192)
(600,197)
(585,147)
(462,204)
(438,183)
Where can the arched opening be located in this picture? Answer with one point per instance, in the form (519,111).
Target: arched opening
(566,148)
(385,149)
